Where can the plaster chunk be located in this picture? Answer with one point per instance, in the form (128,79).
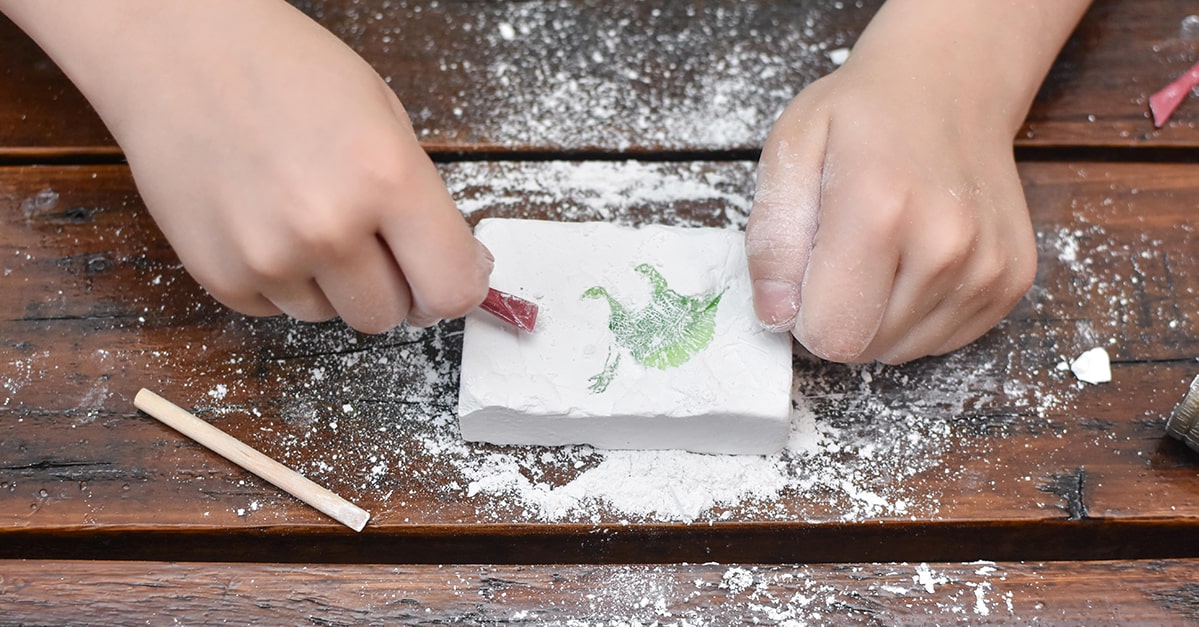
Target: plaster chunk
(1093,366)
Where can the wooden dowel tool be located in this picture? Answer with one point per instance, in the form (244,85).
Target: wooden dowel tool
(239,453)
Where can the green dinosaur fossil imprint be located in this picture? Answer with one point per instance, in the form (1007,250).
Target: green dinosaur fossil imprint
(666,333)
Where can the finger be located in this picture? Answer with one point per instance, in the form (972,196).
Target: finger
(967,313)
(367,288)
(1020,279)
(251,305)
(901,329)
(1012,266)
(930,276)
(979,323)
(421,320)
(784,219)
(445,266)
(215,278)
(934,330)
(302,300)
(853,265)
(996,278)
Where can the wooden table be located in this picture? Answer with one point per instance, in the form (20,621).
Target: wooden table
(987,486)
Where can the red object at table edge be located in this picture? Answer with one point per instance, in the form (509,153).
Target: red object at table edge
(1163,103)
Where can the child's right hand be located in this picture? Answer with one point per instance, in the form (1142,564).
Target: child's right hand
(282,169)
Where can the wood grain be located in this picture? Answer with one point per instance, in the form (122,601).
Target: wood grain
(582,77)
(1053,593)
(1012,458)
(992,453)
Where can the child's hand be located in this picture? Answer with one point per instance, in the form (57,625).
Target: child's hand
(889,221)
(282,169)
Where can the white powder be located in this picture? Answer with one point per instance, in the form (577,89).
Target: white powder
(647,485)
(625,192)
(374,417)
(861,469)
(927,579)
(218,392)
(566,75)
(861,436)
(980,601)
(617,76)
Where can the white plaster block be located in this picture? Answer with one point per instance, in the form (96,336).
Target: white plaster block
(667,386)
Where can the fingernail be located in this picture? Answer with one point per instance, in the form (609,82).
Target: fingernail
(421,320)
(487,254)
(777,303)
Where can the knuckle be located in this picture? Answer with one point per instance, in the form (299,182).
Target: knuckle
(1004,278)
(1025,272)
(958,245)
(956,241)
(267,262)
(1016,282)
(236,295)
(382,168)
(326,233)
(784,233)
(322,222)
(886,213)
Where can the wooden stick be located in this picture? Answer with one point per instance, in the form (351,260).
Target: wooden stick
(239,453)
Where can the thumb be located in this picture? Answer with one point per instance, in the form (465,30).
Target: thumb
(783,222)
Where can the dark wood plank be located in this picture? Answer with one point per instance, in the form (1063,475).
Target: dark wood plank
(988,453)
(620,77)
(1054,593)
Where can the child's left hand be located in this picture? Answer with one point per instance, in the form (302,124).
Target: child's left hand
(889,221)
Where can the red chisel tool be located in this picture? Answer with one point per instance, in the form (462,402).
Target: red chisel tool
(516,311)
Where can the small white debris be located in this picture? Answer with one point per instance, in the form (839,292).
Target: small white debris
(838,56)
(1189,30)
(507,32)
(1093,366)
(218,392)
(928,579)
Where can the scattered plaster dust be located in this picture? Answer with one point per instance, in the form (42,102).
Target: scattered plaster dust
(375,415)
(792,596)
(927,579)
(599,75)
(1098,277)
(716,96)
(624,192)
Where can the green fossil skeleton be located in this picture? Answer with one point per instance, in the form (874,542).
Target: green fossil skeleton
(666,333)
